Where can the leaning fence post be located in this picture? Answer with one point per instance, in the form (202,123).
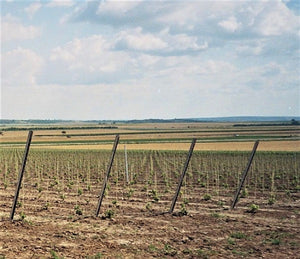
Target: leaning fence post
(107,174)
(21,175)
(182,175)
(244,175)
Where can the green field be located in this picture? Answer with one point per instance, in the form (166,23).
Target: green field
(270,173)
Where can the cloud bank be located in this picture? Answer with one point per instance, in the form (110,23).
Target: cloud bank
(141,59)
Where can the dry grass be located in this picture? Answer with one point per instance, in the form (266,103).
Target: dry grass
(57,136)
(216,146)
(201,131)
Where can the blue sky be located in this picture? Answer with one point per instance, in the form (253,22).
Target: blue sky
(88,59)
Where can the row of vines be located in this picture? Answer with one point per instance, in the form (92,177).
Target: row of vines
(61,181)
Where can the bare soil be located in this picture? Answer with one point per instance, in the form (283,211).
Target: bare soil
(141,228)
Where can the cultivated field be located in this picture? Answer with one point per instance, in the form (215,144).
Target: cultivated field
(160,133)
(55,215)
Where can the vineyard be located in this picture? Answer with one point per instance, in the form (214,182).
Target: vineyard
(56,213)
(64,185)
(79,174)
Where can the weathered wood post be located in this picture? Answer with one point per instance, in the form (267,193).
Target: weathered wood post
(182,175)
(107,174)
(21,175)
(242,180)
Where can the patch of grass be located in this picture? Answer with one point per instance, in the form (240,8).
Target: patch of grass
(202,253)
(271,200)
(275,241)
(294,244)
(154,195)
(54,255)
(78,210)
(240,253)
(277,237)
(220,203)
(169,250)
(244,193)
(207,197)
(19,204)
(109,214)
(22,215)
(216,215)
(183,210)
(231,241)
(130,193)
(149,206)
(253,208)
(238,235)
(152,248)
(185,201)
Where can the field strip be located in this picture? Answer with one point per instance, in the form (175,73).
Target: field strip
(212,146)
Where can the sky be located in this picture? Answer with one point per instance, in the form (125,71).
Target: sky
(114,60)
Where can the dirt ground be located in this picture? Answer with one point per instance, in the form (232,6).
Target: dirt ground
(139,227)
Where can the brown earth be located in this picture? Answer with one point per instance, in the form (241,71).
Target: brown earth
(141,229)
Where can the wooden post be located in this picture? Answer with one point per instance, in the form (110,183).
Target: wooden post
(182,175)
(107,174)
(242,180)
(126,165)
(21,175)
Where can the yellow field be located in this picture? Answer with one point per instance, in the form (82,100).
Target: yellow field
(216,146)
(57,136)
(211,136)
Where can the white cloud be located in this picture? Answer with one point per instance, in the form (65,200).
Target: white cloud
(85,61)
(137,59)
(162,43)
(182,42)
(80,50)
(97,59)
(20,67)
(32,9)
(276,19)
(148,60)
(135,39)
(61,3)
(118,8)
(12,29)
(230,24)
(199,18)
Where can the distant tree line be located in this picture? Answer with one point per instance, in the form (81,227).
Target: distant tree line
(293,122)
(33,121)
(56,128)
